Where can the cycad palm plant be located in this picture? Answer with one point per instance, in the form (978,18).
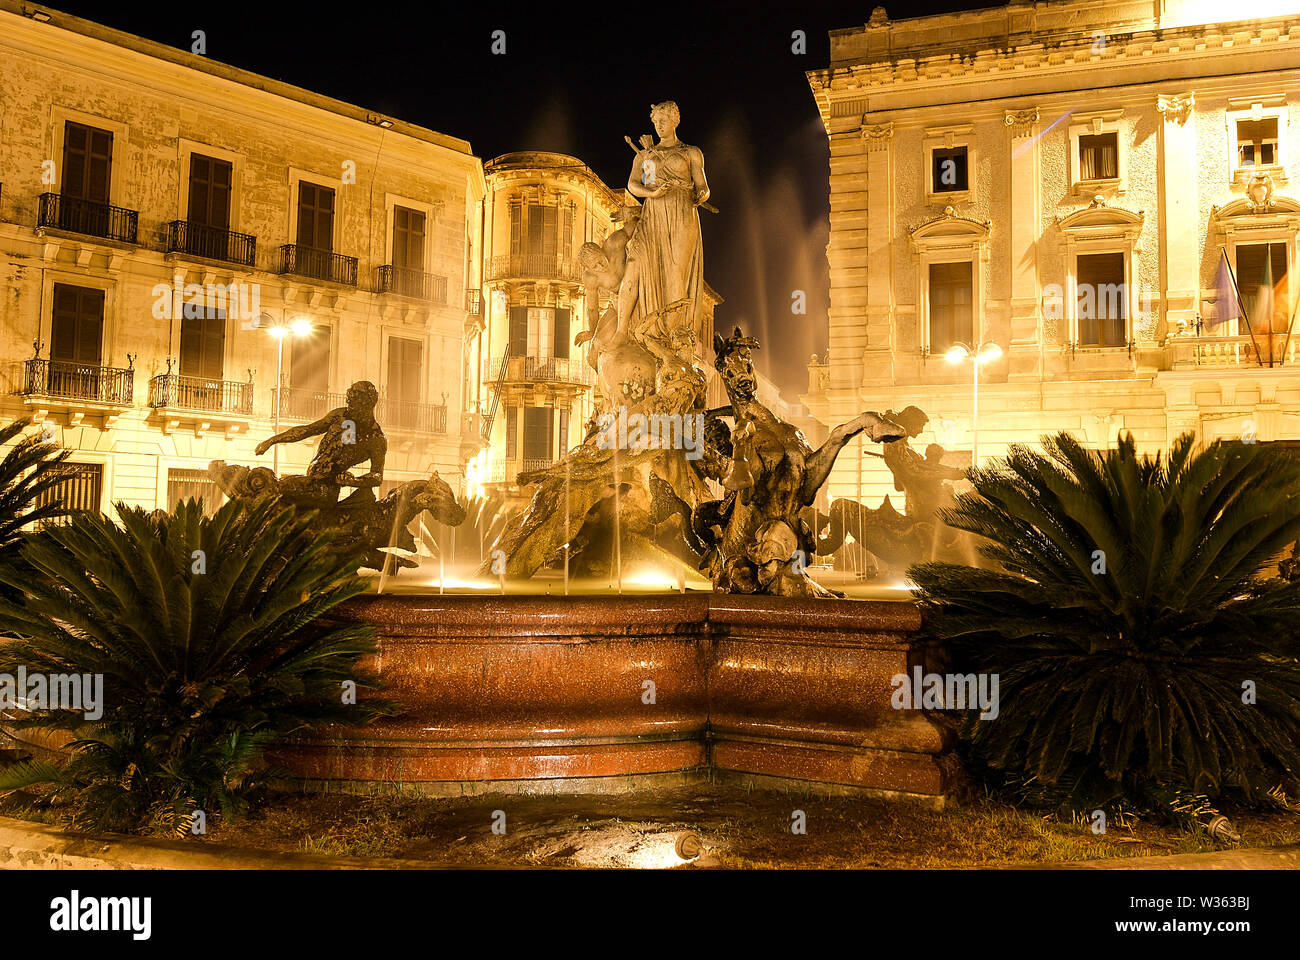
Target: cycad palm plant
(28,471)
(1140,645)
(211,638)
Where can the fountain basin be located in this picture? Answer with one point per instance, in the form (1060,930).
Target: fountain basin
(610,692)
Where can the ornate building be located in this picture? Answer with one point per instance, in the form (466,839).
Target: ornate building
(534,390)
(193,254)
(1064,180)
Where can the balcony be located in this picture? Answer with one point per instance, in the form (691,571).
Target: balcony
(508,471)
(411,283)
(201,395)
(558,370)
(58,212)
(399,415)
(1242,351)
(299,261)
(65,380)
(211,243)
(533,267)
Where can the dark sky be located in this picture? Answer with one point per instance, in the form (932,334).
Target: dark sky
(575,79)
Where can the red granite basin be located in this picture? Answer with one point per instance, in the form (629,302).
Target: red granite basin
(524,690)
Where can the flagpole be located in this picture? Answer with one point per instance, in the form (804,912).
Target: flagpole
(1287,342)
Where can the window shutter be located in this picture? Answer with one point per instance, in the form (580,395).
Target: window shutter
(77,325)
(512,431)
(518,331)
(516,231)
(561,345)
(74,160)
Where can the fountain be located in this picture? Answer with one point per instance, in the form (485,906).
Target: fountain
(651,615)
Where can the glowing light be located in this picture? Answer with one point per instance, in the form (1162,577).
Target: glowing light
(277,332)
(957,353)
(990,351)
(301,327)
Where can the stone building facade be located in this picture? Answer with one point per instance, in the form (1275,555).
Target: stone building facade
(162,215)
(1064,180)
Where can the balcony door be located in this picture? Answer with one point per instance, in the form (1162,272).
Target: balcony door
(1265,295)
(203,359)
(538,424)
(408,252)
(76,342)
(209,211)
(309,376)
(87,174)
(315,216)
(405,366)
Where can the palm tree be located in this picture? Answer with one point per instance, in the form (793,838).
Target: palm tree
(212,639)
(28,471)
(1139,644)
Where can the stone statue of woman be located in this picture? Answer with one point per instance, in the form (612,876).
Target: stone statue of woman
(665,258)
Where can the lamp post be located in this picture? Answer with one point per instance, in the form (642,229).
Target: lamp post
(984,353)
(300,327)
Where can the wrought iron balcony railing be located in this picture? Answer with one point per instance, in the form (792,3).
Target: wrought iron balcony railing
(533,266)
(303,404)
(82,216)
(78,381)
(316,264)
(211,243)
(508,471)
(572,370)
(201,394)
(411,283)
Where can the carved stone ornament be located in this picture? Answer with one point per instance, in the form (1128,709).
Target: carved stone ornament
(1259,193)
(877,135)
(1021,122)
(1177,109)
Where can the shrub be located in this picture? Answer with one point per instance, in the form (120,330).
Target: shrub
(1127,612)
(210,637)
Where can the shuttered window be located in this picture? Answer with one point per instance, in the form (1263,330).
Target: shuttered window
(561,343)
(537,433)
(80,488)
(203,343)
(210,182)
(518,331)
(87,162)
(408,239)
(315,216)
(404,365)
(77,325)
(512,431)
(186,484)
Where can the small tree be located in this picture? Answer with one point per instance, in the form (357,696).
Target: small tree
(212,639)
(1139,644)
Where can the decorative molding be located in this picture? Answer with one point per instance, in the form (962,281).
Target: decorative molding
(1259,193)
(1176,108)
(1021,122)
(877,136)
(949,229)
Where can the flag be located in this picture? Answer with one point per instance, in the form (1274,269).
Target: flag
(1223,304)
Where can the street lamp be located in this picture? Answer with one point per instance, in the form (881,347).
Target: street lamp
(985,352)
(299,327)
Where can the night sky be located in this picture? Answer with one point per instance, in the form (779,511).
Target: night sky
(575,79)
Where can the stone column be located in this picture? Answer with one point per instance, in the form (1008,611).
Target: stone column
(1179,255)
(1023,224)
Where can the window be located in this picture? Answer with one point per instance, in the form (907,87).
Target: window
(1262,280)
(564,431)
(950,305)
(315,216)
(1099,156)
(1257,142)
(408,252)
(79,489)
(538,422)
(1102,300)
(308,376)
(541,230)
(210,182)
(562,315)
(518,331)
(87,162)
(203,343)
(78,325)
(185,484)
(405,365)
(512,431)
(948,170)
